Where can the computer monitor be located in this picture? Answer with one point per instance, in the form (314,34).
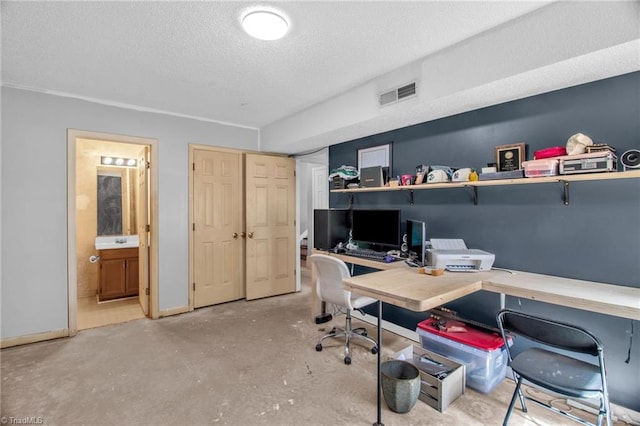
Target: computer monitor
(330,227)
(416,239)
(377,227)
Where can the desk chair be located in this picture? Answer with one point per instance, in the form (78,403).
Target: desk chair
(329,272)
(545,367)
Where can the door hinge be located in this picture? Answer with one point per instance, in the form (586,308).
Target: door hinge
(193,165)
(146,291)
(148,164)
(194,286)
(147,228)
(193,226)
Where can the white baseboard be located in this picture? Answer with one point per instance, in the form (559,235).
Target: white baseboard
(386,325)
(174,311)
(33,338)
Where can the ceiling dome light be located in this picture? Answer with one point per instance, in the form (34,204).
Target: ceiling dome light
(265,25)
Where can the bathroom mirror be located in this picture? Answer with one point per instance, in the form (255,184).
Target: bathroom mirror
(116,201)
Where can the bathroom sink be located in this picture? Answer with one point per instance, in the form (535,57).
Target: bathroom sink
(106,242)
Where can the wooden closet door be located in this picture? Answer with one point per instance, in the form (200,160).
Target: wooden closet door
(143,225)
(218,222)
(270,225)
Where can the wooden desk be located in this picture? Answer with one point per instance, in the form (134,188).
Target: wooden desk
(400,285)
(406,288)
(609,299)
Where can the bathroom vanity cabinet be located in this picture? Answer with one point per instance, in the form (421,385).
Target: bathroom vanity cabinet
(118,275)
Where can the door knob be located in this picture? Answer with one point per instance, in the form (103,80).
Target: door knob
(250,234)
(234,235)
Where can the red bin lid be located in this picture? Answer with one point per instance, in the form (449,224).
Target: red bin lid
(484,340)
(555,151)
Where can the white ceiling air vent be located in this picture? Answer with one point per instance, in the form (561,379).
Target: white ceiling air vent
(397,94)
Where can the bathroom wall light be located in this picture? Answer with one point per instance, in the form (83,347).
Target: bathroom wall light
(265,25)
(118,161)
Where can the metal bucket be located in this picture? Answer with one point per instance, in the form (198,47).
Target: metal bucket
(400,385)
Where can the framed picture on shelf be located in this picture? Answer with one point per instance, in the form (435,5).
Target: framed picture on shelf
(375,156)
(510,157)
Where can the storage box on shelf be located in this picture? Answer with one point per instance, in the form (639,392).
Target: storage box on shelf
(594,162)
(540,168)
(555,151)
(483,353)
(438,391)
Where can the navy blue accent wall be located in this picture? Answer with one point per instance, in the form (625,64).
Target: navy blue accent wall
(596,237)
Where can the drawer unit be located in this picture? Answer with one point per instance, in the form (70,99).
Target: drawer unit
(438,390)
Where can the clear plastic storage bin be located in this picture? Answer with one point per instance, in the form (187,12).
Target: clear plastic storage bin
(483,353)
(540,168)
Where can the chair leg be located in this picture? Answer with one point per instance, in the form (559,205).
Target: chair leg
(337,332)
(518,381)
(516,393)
(348,333)
(367,338)
(359,332)
(604,413)
(347,349)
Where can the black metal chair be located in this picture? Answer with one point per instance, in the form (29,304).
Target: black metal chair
(558,372)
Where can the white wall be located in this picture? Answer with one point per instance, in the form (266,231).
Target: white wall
(304,167)
(304,163)
(34,199)
(512,61)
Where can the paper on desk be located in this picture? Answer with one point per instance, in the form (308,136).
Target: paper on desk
(448,244)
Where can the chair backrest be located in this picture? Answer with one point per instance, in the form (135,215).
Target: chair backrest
(542,330)
(329,272)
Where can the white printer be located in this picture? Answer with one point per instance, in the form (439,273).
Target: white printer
(453,255)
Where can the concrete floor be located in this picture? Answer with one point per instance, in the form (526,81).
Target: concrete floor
(240,363)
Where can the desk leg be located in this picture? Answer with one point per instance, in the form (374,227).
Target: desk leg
(379,421)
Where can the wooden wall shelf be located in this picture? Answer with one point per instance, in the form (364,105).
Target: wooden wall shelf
(474,185)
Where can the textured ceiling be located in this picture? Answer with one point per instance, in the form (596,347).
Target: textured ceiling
(193,59)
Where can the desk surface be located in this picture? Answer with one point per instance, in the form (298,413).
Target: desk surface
(405,287)
(400,285)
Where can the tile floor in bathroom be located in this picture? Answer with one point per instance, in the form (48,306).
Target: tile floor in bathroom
(93,314)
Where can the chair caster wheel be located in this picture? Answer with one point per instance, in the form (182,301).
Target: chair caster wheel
(318,347)
(374,350)
(347,360)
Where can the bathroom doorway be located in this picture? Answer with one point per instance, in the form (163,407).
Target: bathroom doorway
(112,211)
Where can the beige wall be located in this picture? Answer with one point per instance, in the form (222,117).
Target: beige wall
(88,153)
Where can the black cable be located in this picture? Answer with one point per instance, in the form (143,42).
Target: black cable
(630,345)
(302,154)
